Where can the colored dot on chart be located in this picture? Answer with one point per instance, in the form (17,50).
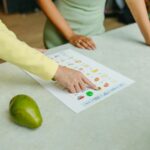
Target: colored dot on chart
(80,97)
(89,93)
(106,84)
(97,79)
(95,70)
(78,61)
(99,88)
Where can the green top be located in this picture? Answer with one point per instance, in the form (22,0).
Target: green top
(84,16)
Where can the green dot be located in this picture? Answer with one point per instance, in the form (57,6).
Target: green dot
(89,93)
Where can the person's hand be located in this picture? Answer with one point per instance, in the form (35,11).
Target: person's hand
(72,80)
(83,42)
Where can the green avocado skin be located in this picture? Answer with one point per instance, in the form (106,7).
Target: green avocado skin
(25,112)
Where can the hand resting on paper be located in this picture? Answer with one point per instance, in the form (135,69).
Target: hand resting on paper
(74,81)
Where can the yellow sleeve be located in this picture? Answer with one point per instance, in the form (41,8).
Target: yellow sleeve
(22,55)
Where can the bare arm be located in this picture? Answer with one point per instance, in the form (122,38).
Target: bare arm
(56,18)
(61,24)
(139,11)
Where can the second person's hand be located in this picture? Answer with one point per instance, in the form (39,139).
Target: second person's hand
(83,42)
(72,80)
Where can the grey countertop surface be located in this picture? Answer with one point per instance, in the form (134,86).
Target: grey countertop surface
(120,122)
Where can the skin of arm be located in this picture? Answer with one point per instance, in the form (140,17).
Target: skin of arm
(52,13)
(60,23)
(139,11)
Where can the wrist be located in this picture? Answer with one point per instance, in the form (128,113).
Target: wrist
(69,36)
(57,73)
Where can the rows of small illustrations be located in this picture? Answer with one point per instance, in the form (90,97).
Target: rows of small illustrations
(99,77)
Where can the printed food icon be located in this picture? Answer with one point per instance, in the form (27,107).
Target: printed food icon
(96,79)
(106,84)
(81,97)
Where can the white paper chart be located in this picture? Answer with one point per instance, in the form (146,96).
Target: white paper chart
(106,79)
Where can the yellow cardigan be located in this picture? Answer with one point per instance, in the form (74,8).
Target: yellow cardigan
(22,55)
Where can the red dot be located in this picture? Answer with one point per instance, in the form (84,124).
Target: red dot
(106,84)
(80,97)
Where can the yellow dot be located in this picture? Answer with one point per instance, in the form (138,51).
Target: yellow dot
(95,70)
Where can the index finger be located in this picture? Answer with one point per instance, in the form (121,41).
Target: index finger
(89,83)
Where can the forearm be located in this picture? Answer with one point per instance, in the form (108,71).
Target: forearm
(139,11)
(56,18)
(22,55)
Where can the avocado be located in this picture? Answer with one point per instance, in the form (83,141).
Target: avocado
(25,112)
